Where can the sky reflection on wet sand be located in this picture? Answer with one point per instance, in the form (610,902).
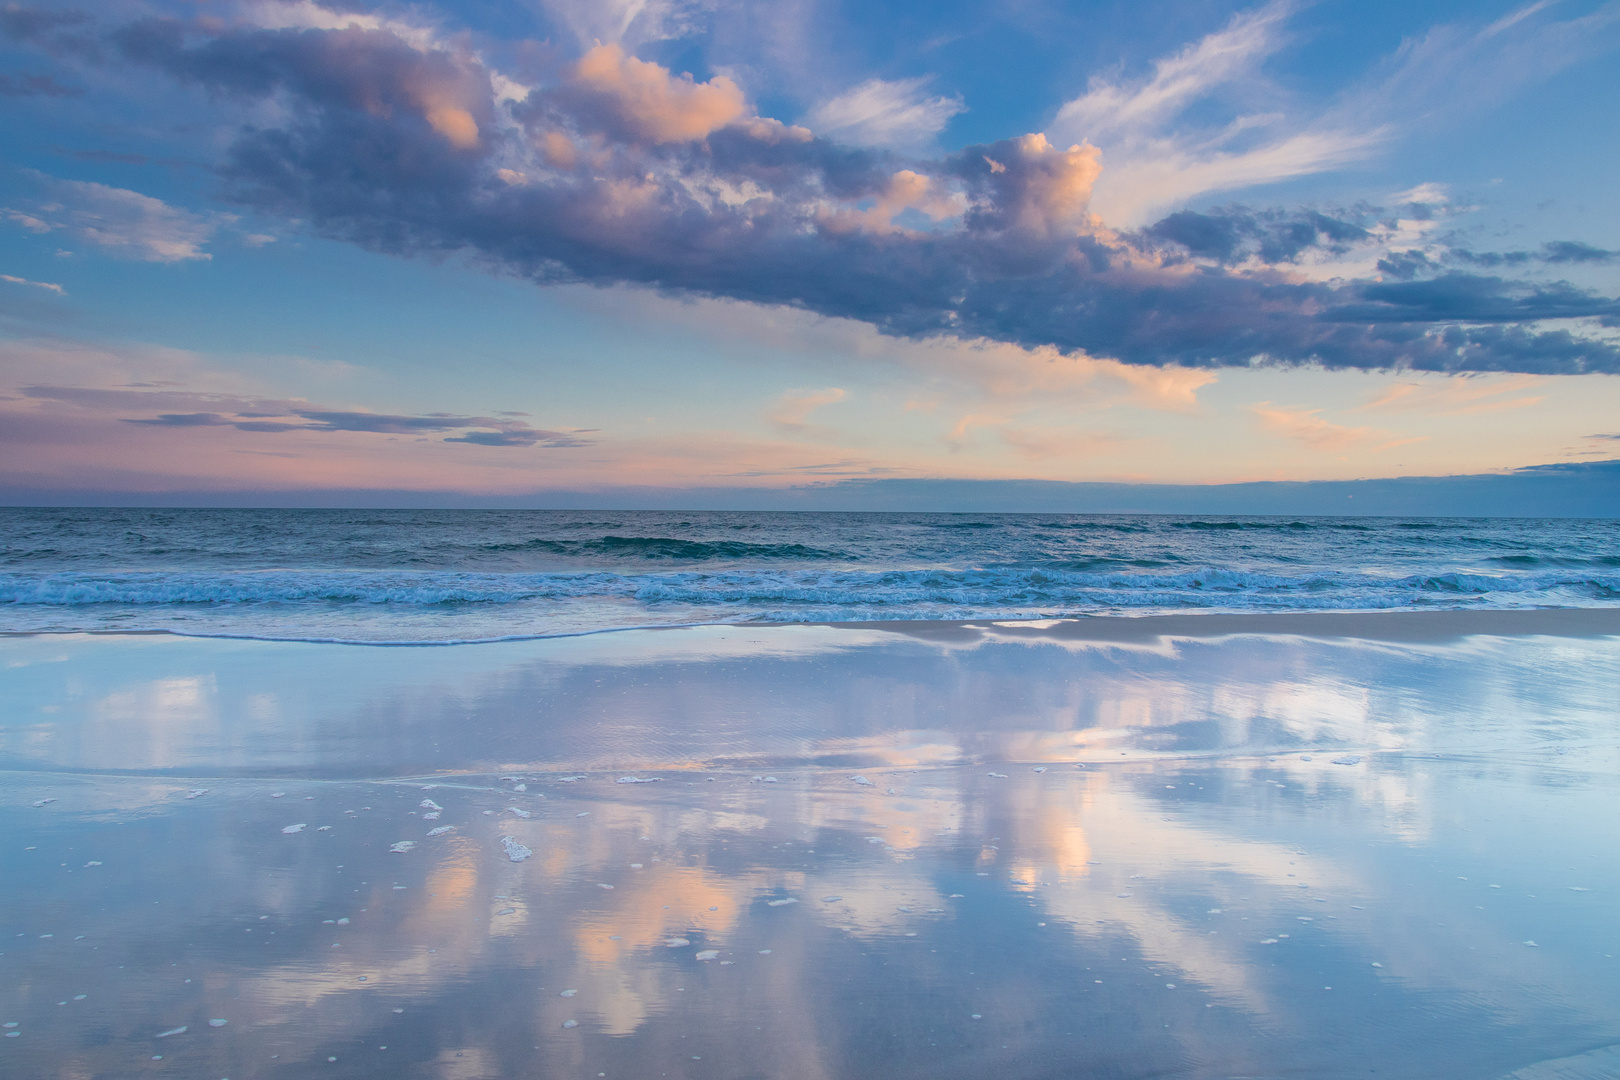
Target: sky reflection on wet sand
(1205,858)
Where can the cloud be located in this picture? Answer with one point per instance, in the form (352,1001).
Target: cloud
(1208,119)
(36,86)
(1041,443)
(1552,253)
(1307,426)
(1158,160)
(1364,237)
(48,286)
(1457,397)
(506,432)
(618,22)
(896,114)
(647,102)
(615,170)
(1238,234)
(1228,55)
(794,409)
(77,437)
(122,222)
(55,32)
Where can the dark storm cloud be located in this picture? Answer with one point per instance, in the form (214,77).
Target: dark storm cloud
(621,173)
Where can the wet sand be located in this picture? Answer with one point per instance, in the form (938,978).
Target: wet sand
(1414,627)
(1199,846)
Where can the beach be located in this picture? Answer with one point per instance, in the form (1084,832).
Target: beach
(1200,845)
(701,540)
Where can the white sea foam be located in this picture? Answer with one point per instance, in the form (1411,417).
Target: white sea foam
(431,577)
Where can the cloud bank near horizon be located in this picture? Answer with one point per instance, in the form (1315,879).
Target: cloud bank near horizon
(607,169)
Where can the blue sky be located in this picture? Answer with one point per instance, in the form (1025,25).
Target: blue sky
(513,248)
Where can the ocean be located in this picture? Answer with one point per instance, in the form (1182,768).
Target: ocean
(441,576)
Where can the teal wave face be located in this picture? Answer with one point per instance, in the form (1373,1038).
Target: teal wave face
(447,575)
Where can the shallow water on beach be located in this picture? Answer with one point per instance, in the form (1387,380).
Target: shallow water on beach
(861,853)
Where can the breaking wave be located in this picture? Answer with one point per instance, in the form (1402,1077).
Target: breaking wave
(455,576)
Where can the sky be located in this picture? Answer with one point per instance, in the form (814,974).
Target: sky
(499,250)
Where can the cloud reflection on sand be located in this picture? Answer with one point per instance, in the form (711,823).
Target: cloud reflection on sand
(1191,829)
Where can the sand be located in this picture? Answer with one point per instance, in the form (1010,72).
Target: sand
(1200,846)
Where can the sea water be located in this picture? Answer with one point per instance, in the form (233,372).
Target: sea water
(444,576)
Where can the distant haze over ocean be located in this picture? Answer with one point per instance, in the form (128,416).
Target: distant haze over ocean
(1567,490)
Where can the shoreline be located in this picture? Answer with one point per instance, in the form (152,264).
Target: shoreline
(1403,627)
(1395,626)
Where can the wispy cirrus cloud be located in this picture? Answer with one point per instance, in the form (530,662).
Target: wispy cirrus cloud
(1209,119)
(120,222)
(898,114)
(1457,397)
(1307,426)
(629,22)
(48,286)
(1044,443)
(1156,159)
(1117,107)
(792,413)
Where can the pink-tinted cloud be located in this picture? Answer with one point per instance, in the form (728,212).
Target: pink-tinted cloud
(1307,426)
(654,104)
(793,411)
(615,169)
